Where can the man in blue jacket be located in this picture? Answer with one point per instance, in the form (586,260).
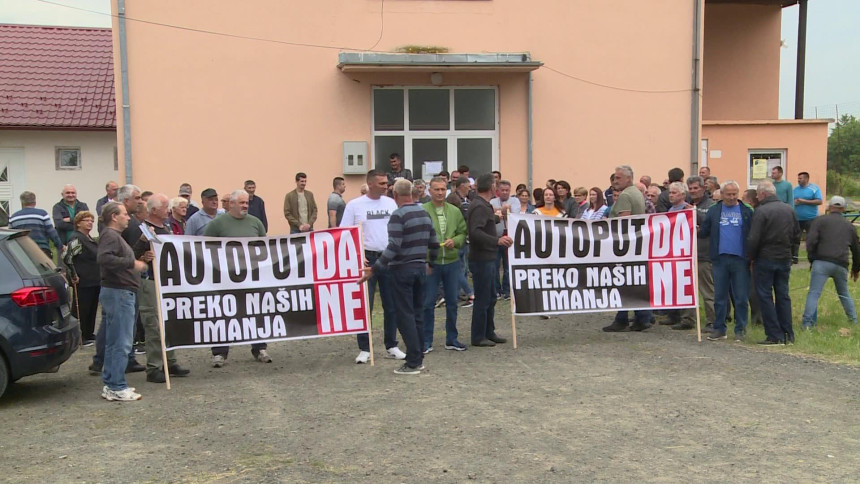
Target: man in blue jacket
(728,224)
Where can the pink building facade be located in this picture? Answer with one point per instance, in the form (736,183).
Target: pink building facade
(742,136)
(549,89)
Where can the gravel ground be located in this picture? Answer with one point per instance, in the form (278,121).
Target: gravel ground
(570,404)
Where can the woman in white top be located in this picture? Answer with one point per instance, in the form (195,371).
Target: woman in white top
(597,208)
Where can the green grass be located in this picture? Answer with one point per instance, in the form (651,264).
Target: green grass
(834,338)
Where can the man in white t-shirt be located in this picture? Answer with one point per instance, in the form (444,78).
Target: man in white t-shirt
(373,211)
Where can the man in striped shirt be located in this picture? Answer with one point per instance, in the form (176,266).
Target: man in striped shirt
(38,222)
(410,235)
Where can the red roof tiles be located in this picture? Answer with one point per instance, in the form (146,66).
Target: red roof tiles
(56,77)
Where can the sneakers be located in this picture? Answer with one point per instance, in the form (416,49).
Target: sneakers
(218,361)
(428,349)
(405,369)
(469,302)
(124,395)
(87,343)
(363,357)
(263,356)
(637,326)
(717,335)
(139,349)
(395,353)
(739,338)
(440,302)
(455,346)
(134,367)
(95,369)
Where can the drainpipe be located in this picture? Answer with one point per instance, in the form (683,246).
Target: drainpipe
(126,111)
(800,76)
(530,136)
(695,105)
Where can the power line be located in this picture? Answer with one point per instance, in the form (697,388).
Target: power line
(616,88)
(335,47)
(225,34)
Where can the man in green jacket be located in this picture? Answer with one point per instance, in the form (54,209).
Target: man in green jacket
(451,232)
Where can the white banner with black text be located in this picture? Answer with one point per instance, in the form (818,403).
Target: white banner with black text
(561,265)
(243,290)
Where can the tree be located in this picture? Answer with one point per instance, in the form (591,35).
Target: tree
(843,146)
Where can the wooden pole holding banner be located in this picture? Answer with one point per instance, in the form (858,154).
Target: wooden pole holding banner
(160,316)
(696,271)
(511,288)
(367,315)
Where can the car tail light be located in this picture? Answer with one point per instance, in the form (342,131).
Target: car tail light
(35,296)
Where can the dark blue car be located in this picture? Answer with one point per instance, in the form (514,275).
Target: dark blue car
(37,331)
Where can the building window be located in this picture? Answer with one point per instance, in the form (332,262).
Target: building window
(436,127)
(761,162)
(68,158)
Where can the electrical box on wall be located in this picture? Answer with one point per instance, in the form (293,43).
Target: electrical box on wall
(355,157)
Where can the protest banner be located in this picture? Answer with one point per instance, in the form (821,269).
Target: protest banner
(243,290)
(561,265)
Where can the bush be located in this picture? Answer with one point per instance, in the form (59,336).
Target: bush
(845,184)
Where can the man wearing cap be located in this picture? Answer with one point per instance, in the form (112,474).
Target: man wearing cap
(830,240)
(197,223)
(185,192)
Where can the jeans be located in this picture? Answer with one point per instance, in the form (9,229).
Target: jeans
(771,285)
(409,282)
(448,275)
(483,312)
(386,292)
(731,273)
(821,271)
(503,287)
(99,356)
(118,309)
(464,275)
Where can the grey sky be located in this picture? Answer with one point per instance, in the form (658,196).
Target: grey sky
(832,59)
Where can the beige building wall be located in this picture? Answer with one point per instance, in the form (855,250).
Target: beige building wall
(38,172)
(805,144)
(214,110)
(741,62)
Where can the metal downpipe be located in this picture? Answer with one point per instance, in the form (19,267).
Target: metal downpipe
(126,110)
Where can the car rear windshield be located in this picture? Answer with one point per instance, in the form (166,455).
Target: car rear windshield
(29,258)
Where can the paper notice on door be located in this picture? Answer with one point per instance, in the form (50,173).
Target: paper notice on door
(759,169)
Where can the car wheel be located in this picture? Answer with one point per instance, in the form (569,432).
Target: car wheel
(4,376)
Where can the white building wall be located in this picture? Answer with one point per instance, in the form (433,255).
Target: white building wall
(39,173)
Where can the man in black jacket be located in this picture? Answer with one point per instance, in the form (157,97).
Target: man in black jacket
(830,240)
(773,232)
(65,210)
(481,222)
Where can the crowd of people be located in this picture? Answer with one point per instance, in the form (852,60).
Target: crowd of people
(422,241)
